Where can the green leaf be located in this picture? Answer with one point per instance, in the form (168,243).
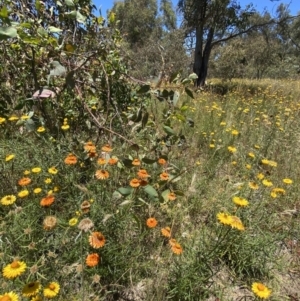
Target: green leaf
(125,190)
(69,3)
(151,191)
(8,32)
(174,77)
(144,89)
(169,130)
(42,32)
(31,40)
(145,119)
(165,194)
(3,13)
(116,195)
(193,76)
(180,117)
(127,162)
(70,82)
(54,29)
(175,98)
(189,92)
(148,160)
(80,18)
(30,125)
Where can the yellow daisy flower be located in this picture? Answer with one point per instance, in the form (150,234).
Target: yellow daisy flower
(53,170)
(237,223)
(11,296)
(41,129)
(267,183)
(9,157)
(36,298)
(8,200)
(260,290)
(231,149)
(31,289)
(65,127)
(23,193)
(287,181)
(51,290)
(73,221)
(240,201)
(37,190)
(224,218)
(2,120)
(36,169)
(14,269)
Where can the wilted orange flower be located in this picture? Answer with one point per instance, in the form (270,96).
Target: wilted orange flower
(47,201)
(92,154)
(162,161)
(97,240)
(164,176)
(172,196)
(134,183)
(151,222)
(101,161)
(136,162)
(102,174)
(176,248)
(107,148)
(143,174)
(113,161)
(90,147)
(166,232)
(143,182)
(92,260)
(24,181)
(70,159)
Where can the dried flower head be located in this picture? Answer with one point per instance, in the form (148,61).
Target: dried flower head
(85,224)
(85,206)
(49,222)
(136,162)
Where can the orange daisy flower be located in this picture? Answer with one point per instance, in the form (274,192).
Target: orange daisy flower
(164,176)
(90,147)
(176,248)
(92,260)
(134,183)
(47,201)
(101,161)
(166,232)
(106,148)
(161,161)
(136,162)
(97,240)
(143,174)
(151,222)
(172,196)
(102,174)
(24,181)
(70,159)
(113,161)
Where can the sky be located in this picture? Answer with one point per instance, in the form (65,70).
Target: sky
(258,4)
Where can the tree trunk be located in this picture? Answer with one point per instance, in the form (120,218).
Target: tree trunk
(202,56)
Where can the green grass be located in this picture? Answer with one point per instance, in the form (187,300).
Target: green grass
(137,262)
